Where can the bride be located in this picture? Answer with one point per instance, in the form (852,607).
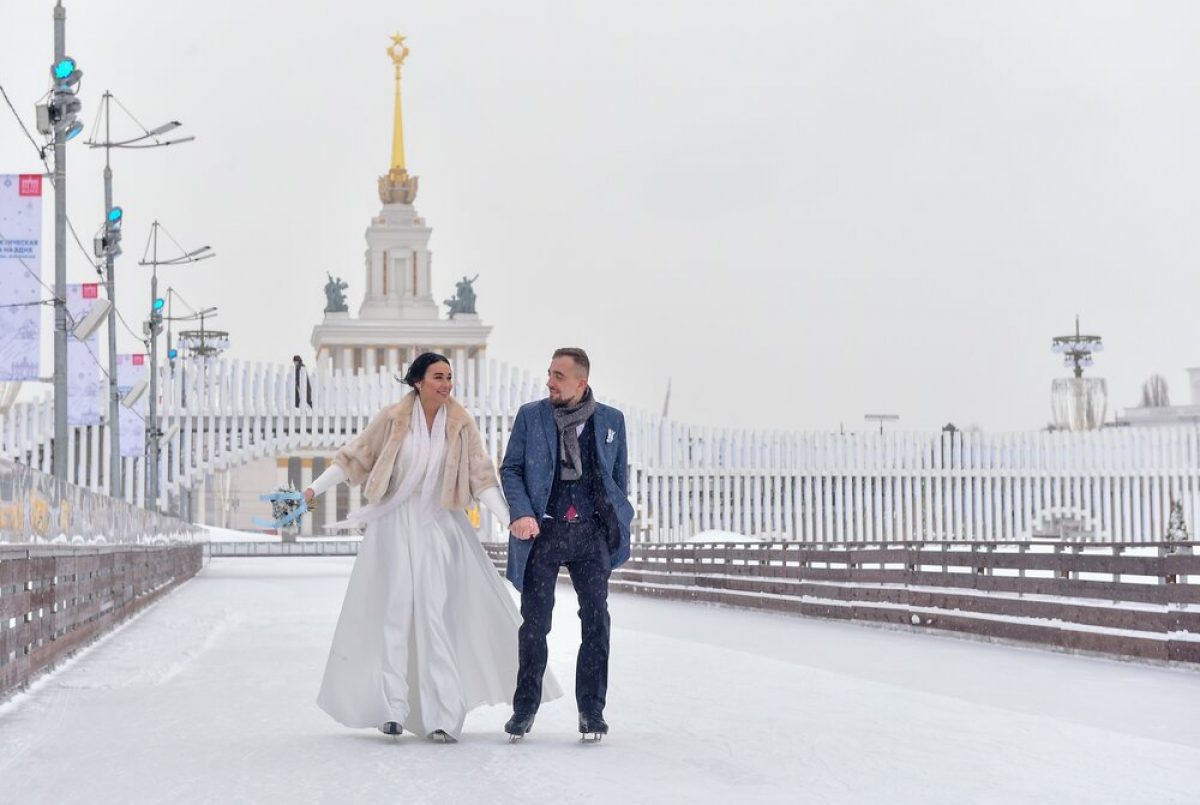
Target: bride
(427,629)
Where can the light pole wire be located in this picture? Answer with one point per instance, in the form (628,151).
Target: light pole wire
(131,116)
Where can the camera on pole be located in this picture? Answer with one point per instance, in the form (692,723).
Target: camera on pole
(108,242)
(60,112)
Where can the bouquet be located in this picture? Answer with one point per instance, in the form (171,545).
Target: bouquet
(287,507)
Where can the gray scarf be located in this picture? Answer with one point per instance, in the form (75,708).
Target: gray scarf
(570,460)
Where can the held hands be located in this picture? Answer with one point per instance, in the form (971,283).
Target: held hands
(523,528)
(308,496)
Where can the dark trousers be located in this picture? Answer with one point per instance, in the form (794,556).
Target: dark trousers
(582,547)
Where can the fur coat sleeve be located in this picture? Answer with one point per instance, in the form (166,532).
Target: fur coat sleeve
(469,469)
(359,456)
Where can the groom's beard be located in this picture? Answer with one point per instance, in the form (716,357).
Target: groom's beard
(563,402)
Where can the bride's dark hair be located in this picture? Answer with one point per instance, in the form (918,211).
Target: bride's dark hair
(417,369)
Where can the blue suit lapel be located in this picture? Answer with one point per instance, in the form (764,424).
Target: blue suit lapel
(600,426)
(551,430)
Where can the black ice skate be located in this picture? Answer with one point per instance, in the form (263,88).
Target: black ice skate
(592,727)
(442,737)
(518,726)
(390,728)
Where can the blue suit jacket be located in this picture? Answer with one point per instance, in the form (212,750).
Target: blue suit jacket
(527,474)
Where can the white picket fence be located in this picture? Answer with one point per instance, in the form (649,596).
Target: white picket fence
(1113,485)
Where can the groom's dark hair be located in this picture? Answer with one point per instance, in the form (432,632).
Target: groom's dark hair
(576,354)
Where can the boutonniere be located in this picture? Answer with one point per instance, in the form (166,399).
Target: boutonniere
(612,434)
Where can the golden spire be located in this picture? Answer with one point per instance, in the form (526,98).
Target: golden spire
(398,52)
(397,187)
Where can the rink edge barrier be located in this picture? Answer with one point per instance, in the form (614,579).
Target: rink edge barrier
(1127,600)
(54,600)
(1133,601)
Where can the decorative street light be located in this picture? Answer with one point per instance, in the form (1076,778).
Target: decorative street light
(1076,349)
(1078,403)
(204,343)
(153,328)
(108,247)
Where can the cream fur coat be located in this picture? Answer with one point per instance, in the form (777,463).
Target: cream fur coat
(371,456)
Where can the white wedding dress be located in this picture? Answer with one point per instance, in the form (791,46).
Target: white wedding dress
(427,630)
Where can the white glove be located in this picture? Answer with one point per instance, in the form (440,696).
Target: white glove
(328,480)
(494,501)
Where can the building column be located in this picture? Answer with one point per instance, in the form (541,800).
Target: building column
(393,359)
(458,360)
(421,269)
(201,496)
(327,510)
(306,479)
(325,362)
(370,362)
(348,360)
(281,475)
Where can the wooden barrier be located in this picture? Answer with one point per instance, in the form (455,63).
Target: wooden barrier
(1130,600)
(53,600)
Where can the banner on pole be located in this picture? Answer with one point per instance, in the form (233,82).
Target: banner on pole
(20,275)
(131,370)
(85,386)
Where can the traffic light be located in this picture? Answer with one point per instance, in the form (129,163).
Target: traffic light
(60,112)
(64,103)
(66,73)
(172,354)
(108,243)
(154,326)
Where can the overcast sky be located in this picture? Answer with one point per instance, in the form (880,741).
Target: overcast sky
(799,212)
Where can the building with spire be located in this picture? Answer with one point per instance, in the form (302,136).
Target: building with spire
(398,317)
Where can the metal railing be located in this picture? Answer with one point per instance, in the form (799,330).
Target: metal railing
(37,509)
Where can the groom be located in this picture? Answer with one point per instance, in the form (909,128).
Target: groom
(565,476)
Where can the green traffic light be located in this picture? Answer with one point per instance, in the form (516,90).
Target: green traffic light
(115,215)
(159,303)
(64,69)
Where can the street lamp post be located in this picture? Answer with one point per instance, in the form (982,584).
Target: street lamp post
(1076,349)
(108,247)
(204,343)
(57,120)
(1078,403)
(61,116)
(153,328)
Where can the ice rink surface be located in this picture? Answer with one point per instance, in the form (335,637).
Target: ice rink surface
(209,697)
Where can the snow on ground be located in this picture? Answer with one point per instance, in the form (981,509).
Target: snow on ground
(209,697)
(212,533)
